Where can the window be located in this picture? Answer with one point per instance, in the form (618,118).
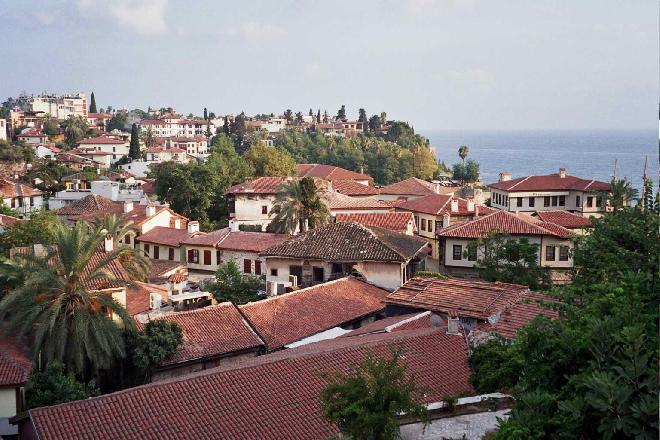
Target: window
(554,200)
(550,253)
(318,274)
(170,255)
(257,267)
(430,226)
(423,224)
(472,253)
(264,209)
(193,256)
(416,221)
(146,248)
(562,200)
(247,265)
(127,239)
(457,252)
(599,201)
(532,201)
(578,202)
(563,253)
(273,272)
(207,258)
(156,252)
(519,202)
(546,201)
(590,202)
(438,225)
(218,257)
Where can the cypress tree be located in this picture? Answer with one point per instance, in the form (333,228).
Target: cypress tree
(311,113)
(134,151)
(206,114)
(225,127)
(92,104)
(318,116)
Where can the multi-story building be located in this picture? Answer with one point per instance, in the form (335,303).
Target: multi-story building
(549,193)
(21,197)
(171,125)
(196,146)
(114,146)
(3,129)
(60,107)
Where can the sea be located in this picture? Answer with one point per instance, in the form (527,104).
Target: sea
(590,154)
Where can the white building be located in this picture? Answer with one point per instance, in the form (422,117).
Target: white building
(3,129)
(115,146)
(196,146)
(551,192)
(60,107)
(115,191)
(21,197)
(33,136)
(172,125)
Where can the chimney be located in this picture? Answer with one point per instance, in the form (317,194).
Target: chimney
(504,176)
(177,223)
(446,220)
(476,211)
(562,172)
(233,226)
(361,170)
(436,187)
(436,320)
(128,205)
(109,243)
(453,324)
(454,205)
(193,226)
(151,210)
(470,205)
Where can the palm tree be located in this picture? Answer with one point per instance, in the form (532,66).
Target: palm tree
(621,193)
(74,129)
(463,151)
(61,306)
(299,205)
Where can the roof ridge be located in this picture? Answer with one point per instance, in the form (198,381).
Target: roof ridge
(371,232)
(518,183)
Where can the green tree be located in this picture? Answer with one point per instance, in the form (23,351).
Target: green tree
(206,114)
(501,257)
(40,228)
(158,342)
(53,386)
(463,151)
(299,205)
(468,172)
(341,113)
(239,133)
(311,112)
(366,403)
(374,124)
(233,286)
(269,161)
(119,121)
(288,115)
(621,194)
(363,117)
(92,104)
(50,126)
(318,116)
(149,138)
(134,151)
(18,152)
(226,128)
(495,366)
(58,310)
(74,129)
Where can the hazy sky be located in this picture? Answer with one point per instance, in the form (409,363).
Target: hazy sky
(446,64)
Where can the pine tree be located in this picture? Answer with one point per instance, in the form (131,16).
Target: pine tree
(318,116)
(92,104)
(134,151)
(363,117)
(206,114)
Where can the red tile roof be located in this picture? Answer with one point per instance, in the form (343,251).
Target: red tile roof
(261,185)
(11,189)
(269,397)
(88,204)
(159,269)
(287,318)
(210,332)
(503,222)
(165,236)
(206,238)
(394,221)
(412,186)
(250,241)
(337,201)
(564,218)
(102,140)
(476,299)
(438,204)
(397,323)
(353,188)
(32,132)
(165,150)
(350,242)
(15,366)
(329,172)
(138,296)
(8,221)
(550,182)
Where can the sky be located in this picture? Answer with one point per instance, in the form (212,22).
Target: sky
(446,64)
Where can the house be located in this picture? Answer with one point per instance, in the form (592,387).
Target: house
(21,197)
(332,173)
(554,242)
(380,256)
(7,222)
(46,151)
(15,368)
(100,159)
(99,120)
(354,188)
(196,146)
(552,192)
(75,161)
(275,396)
(340,204)
(577,223)
(59,107)
(3,129)
(115,146)
(160,154)
(323,311)
(401,222)
(482,305)
(435,211)
(33,136)
(251,202)
(170,125)
(212,336)
(206,251)
(113,186)
(413,188)
(164,243)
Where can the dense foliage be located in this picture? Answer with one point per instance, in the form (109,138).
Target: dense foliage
(158,342)
(501,257)
(18,152)
(365,403)
(40,228)
(593,373)
(233,286)
(53,386)
(299,206)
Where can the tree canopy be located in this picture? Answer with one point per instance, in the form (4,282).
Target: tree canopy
(53,386)
(233,286)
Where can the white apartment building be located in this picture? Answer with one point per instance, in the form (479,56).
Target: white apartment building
(114,146)
(3,129)
(172,126)
(547,193)
(60,107)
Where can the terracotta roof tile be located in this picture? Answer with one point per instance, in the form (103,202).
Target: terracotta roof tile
(290,317)
(211,331)
(159,269)
(564,218)
(337,201)
(438,204)
(397,323)
(261,185)
(250,241)
(138,296)
(269,397)
(15,366)
(412,186)
(102,140)
(502,222)
(11,189)
(329,172)
(550,182)
(350,242)
(165,236)
(394,221)
(353,188)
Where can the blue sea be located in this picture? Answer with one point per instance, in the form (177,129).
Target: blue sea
(587,154)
